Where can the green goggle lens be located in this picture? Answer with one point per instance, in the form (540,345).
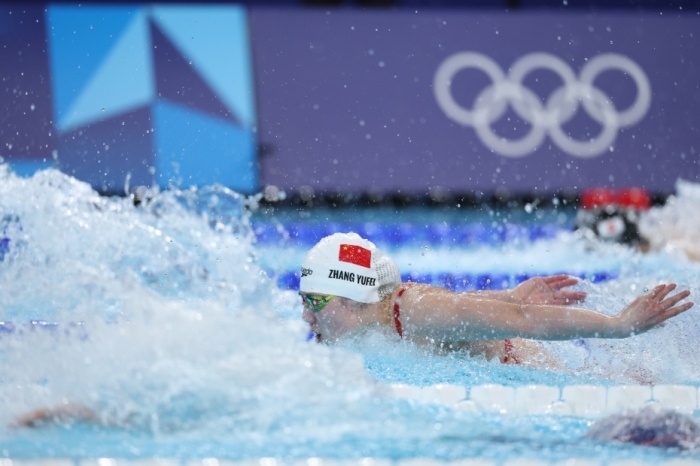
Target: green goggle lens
(314,302)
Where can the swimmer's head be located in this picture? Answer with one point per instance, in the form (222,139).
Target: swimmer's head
(347,265)
(649,426)
(611,224)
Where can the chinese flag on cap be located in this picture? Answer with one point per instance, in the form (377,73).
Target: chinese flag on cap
(355,255)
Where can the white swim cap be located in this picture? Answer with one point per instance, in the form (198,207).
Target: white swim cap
(347,265)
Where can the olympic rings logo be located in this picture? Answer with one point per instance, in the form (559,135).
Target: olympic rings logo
(544,118)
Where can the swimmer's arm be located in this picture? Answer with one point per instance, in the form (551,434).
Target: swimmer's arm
(62,414)
(539,290)
(441,314)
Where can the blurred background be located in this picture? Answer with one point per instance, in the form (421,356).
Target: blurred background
(314,101)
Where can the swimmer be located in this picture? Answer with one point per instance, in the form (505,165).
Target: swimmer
(613,216)
(348,285)
(65,414)
(649,426)
(628,217)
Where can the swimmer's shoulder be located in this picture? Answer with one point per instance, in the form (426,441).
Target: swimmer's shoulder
(418,289)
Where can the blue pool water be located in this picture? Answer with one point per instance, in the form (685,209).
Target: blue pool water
(178,323)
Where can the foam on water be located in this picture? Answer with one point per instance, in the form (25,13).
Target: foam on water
(174,323)
(673,228)
(168,324)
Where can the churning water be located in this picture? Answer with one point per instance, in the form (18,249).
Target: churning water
(169,320)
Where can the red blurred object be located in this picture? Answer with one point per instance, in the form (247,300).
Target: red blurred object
(597,197)
(634,198)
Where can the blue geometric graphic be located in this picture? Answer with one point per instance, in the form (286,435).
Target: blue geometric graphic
(100,58)
(194,30)
(179,82)
(180,157)
(188,66)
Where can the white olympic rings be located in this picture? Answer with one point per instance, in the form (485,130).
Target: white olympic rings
(548,118)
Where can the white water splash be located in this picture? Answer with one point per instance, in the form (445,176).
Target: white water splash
(181,328)
(165,319)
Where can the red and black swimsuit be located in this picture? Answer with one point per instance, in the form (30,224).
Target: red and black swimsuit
(509,356)
(397,312)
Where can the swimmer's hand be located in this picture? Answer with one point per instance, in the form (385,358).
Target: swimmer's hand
(650,309)
(548,290)
(64,414)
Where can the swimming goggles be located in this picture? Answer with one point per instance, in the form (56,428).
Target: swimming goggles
(315,302)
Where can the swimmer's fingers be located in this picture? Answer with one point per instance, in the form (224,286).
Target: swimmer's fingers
(674,299)
(562,298)
(674,311)
(682,308)
(659,295)
(652,308)
(560,281)
(661,291)
(670,308)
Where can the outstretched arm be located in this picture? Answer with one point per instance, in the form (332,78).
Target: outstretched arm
(539,290)
(443,315)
